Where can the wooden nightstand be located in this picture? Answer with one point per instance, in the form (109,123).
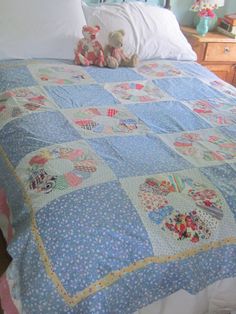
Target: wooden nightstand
(215,51)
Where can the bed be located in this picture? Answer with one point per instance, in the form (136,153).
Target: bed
(117,188)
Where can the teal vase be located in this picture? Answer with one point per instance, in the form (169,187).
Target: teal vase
(203,27)
(212,22)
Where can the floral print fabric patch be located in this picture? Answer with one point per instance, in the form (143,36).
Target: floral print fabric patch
(93,122)
(203,148)
(22,101)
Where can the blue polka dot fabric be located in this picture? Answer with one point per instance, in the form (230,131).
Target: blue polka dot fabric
(12,77)
(117,186)
(187,88)
(168,117)
(80,96)
(106,75)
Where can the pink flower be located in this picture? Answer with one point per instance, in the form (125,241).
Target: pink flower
(208,203)
(206,13)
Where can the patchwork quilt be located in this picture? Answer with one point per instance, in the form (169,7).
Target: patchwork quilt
(117,187)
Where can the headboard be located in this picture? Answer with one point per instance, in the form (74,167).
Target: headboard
(166,3)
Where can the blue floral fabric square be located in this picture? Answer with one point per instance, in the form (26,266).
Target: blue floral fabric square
(168,117)
(16,76)
(107,244)
(187,88)
(196,70)
(105,75)
(224,177)
(137,155)
(35,131)
(229,130)
(80,96)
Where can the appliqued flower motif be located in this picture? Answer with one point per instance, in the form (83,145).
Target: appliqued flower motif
(210,148)
(136,92)
(59,168)
(194,225)
(158,69)
(58,74)
(94,121)
(22,101)
(217,112)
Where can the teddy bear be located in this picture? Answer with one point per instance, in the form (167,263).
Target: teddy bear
(114,54)
(89,50)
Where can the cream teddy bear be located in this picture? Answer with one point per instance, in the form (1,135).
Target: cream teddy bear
(114,54)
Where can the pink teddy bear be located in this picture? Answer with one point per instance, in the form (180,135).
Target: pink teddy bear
(89,51)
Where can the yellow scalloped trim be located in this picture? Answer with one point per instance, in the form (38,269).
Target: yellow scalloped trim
(113,276)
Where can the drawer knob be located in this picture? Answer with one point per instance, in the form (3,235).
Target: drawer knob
(226,50)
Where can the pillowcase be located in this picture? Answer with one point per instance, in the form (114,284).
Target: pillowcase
(150,31)
(40,28)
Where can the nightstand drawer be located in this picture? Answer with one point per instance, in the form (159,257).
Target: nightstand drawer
(220,52)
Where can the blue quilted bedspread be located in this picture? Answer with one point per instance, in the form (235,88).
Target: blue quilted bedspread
(121,183)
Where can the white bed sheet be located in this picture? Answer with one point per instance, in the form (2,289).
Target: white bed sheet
(218,298)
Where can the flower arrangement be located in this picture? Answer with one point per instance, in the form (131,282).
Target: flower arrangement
(206,13)
(205,17)
(205,8)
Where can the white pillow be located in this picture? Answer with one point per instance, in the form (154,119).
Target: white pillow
(40,28)
(150,31)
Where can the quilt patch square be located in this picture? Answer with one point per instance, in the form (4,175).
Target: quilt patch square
(204,147)
(168,117)
(59,169)
(196,70)
(105,75)
(31,132)
(182,208)
(105,121)
(224,178)
(110,229)
(143,91)
(15,76)
(159,69)
(81,96)
(217,112)
(22,101)
(59,74)
(229,131)
(224,87)
(187,88)
(137,155)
